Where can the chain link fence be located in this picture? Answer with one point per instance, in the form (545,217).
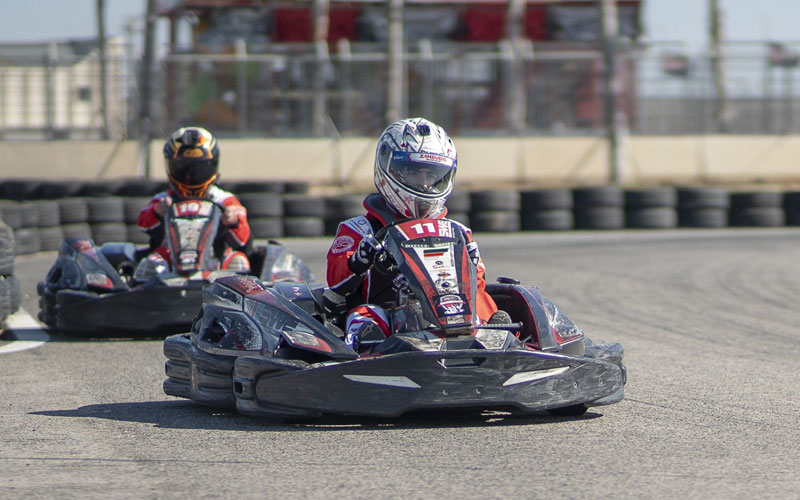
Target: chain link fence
(302,90)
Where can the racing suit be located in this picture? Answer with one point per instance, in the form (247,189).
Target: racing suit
(362,292)
(235,237)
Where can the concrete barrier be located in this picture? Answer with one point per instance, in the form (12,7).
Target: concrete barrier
(518,161)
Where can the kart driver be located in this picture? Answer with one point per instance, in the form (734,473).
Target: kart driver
(408,187)
(192,162)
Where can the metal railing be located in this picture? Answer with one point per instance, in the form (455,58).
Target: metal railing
(303,90)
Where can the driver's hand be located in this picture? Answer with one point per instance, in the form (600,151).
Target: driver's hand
(368,252)
(163,205)
(231,215)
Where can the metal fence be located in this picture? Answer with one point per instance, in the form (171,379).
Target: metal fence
(302,90)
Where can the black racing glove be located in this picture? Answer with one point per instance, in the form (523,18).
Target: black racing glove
(368,252)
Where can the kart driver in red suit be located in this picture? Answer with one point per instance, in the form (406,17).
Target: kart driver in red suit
(415,164)
(192,162)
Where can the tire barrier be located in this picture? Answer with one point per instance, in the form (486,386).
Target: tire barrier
(280,209)
(651,208)
(703,207)
(546,210)
(10,294)
(495,211)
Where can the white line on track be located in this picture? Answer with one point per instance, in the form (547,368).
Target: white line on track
(26,332)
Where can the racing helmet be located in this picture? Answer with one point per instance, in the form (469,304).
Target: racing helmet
(192,160)
(415,164)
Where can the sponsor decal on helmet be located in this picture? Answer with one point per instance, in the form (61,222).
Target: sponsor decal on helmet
(342,244)
(431,158)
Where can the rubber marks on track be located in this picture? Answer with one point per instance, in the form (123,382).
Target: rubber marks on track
(23,332)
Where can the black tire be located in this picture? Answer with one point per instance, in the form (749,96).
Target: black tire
(495,221)
(652,197)
(81,230)
(538,200)
(296,187)
(693,198)
(791,201)
(266,227)
(50,238)
(303,226)
(598,196)
(140,187)
(136,236)
(504,200)
(459,201)
(30,214)
(100,188)
(703,217)
(793,218)
(15,293)
(54,190)
(548,220)
(257,187)
(18,189)
(262,204)
(132,206)
(105,232)
(73,210)
(301,205)
(598,217)
(11,213)
(462,217)
(105,210)
(49,213)
(651,218)
(757,217)
(6,249)
(5,298)
(27,241)
(756,199)
(344,206)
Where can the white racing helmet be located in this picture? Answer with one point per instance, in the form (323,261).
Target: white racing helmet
(415,164)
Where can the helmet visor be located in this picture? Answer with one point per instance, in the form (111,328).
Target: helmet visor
(192,172)
(423,173)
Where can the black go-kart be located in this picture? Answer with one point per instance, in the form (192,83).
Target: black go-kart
(277,350)
(93,290)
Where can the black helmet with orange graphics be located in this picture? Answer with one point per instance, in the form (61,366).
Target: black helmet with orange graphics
(192,158)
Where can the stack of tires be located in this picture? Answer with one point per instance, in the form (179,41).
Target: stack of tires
(652,208)
(495,211)
(600,207)
(458,206)
(756,209)
(303,215)
(703,207)
(341,207)
(546,210)
(791,208)
(10,295)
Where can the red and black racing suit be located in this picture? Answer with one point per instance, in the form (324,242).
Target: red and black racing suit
(235,237)
(376,288)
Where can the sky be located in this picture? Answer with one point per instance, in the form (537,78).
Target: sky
(664,20)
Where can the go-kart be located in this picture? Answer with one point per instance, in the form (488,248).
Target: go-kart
(277,350)
(93,290)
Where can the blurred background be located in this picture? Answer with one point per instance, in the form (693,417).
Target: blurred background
(115,70)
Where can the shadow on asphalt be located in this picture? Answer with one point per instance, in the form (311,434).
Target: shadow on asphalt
(186,415)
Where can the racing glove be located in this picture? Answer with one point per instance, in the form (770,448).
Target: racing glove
(474,253)
(368,252)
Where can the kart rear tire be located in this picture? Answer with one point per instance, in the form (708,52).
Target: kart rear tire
(569,411)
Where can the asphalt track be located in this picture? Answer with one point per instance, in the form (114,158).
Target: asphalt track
(709,321)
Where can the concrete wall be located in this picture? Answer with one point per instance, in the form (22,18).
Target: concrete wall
(483,162)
